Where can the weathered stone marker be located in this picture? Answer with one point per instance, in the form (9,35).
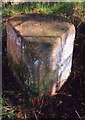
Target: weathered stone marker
(41,48)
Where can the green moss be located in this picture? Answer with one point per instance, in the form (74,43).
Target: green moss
(74,11)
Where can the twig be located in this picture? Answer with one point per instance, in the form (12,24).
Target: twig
(78,24)
(78,114)
(60,102)
(65,94)
(35,115)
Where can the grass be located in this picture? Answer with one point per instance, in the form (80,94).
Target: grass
(66,9)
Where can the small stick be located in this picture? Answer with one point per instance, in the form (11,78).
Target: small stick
(65,94)
(78,114)
(35,115)
(60,102)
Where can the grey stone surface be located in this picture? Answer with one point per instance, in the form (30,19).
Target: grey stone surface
(44,44)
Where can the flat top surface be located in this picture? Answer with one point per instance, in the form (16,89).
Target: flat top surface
(40,25)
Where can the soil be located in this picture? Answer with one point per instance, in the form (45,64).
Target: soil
(68,103)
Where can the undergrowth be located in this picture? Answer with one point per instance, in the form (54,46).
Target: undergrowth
(74,11)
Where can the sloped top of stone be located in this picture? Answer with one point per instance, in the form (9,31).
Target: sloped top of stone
(40,25)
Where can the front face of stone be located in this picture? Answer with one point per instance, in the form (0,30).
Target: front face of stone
(43,47)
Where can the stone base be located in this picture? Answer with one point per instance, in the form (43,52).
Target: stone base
(44,44)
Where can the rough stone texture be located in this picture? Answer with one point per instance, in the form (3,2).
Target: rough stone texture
(44,44)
